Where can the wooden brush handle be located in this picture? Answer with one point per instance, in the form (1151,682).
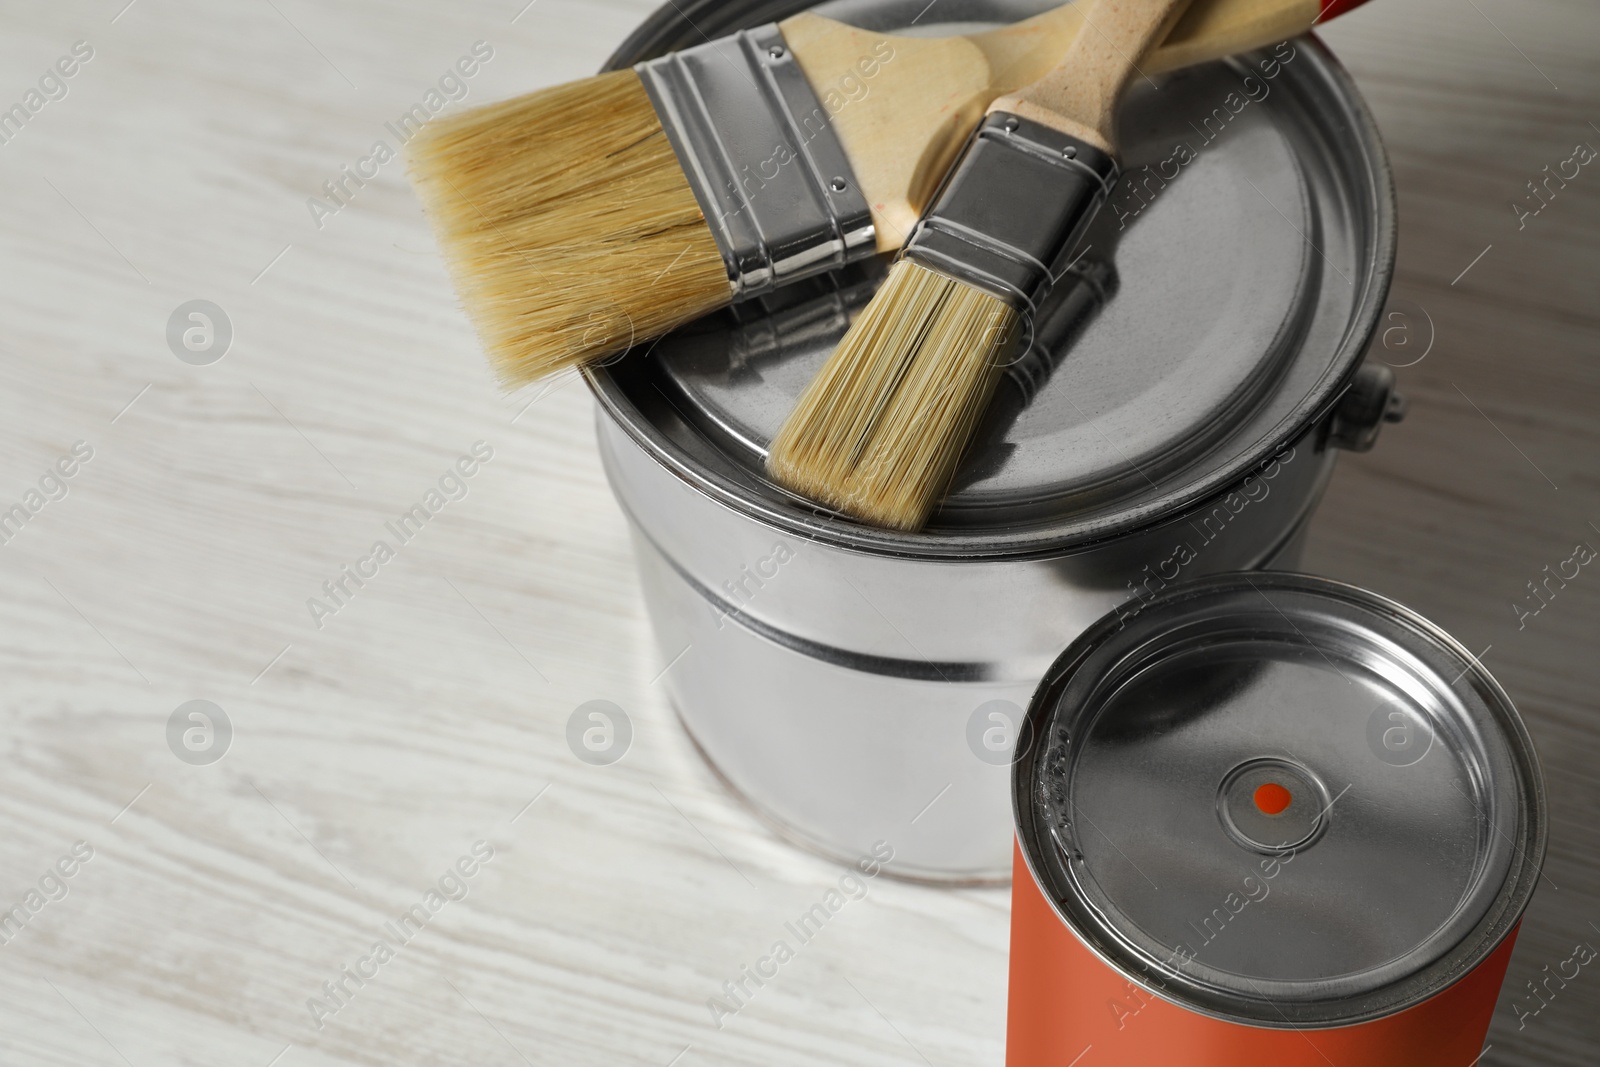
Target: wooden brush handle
(1079,96)
(903,107)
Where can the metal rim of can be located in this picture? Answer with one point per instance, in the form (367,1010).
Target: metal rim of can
(1082,667)
(680,25)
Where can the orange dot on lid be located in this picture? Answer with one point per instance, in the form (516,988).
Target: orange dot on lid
(1273,798)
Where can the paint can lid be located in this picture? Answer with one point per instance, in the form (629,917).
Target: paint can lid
(1280,800)
(1223,300)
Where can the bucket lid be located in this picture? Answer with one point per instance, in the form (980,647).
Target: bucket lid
(1223,300)
(1279,799)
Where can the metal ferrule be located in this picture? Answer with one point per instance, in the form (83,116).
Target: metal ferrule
(1012,211)
(760,152)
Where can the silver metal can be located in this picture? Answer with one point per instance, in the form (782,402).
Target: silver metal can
(1178,415)
(1268,818)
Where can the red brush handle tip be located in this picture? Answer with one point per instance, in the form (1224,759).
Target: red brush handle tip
(1335,8)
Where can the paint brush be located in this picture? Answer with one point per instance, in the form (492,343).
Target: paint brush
(584,218)
(879,431)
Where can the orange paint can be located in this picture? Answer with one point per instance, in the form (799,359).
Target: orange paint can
(1270,820)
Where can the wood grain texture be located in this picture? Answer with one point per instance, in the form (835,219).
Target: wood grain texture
(430,711)
(1079,95)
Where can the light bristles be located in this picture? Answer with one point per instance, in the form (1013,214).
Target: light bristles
(879,431)
(568,224)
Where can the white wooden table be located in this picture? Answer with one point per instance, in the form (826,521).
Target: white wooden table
(429,712)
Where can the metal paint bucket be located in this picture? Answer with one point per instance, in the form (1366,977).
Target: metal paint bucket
(1178,415)
(1268,819)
